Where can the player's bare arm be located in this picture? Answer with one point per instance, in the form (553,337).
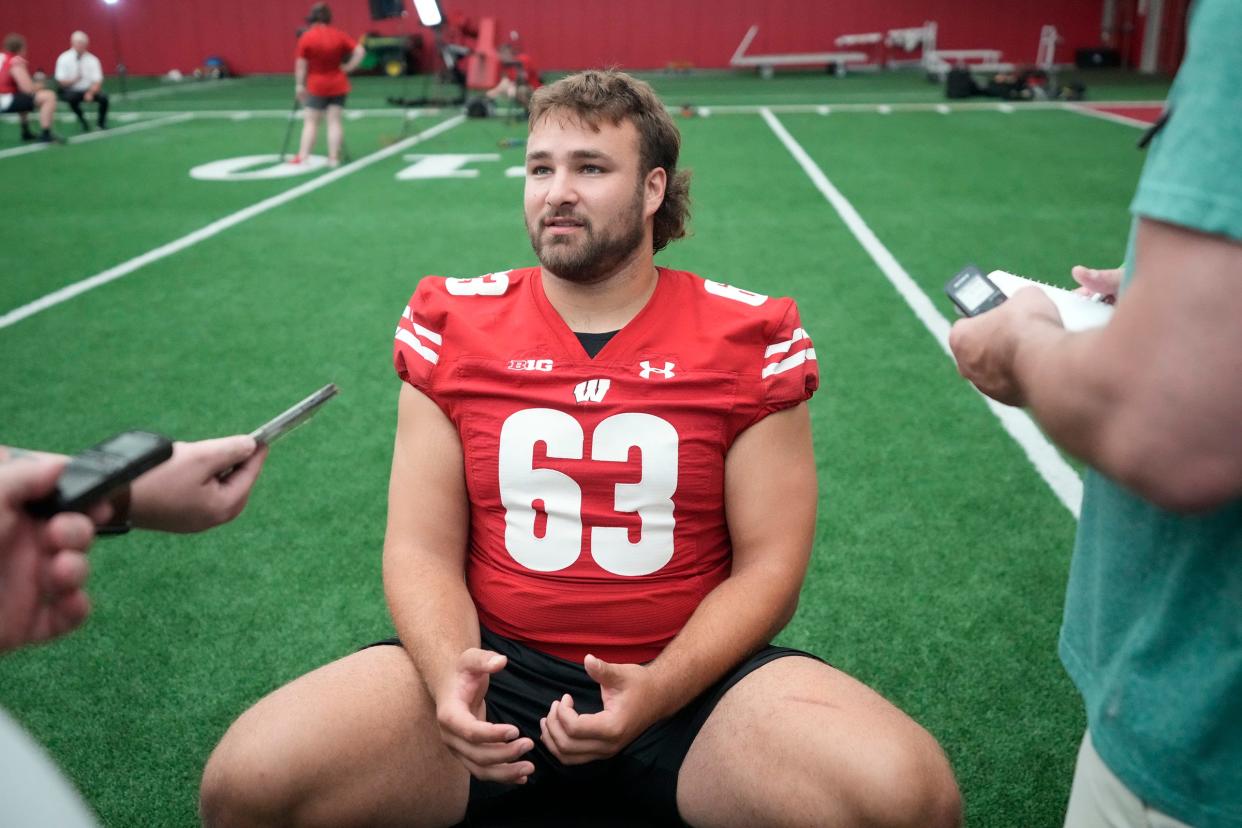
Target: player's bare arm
(1153,399)
(770,497)
(21,77)
(424,580)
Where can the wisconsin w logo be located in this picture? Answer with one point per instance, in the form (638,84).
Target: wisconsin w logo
(591,390)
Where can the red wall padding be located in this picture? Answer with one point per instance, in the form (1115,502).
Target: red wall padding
(257,36)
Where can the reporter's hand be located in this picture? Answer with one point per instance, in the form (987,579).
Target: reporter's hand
(185,493)
(985,346)
(1103,282)
(43,563)
(489,751)
(630,707)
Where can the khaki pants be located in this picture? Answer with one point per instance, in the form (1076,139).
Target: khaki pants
(1099,799)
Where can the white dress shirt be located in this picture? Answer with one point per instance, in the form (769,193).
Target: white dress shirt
(78,72)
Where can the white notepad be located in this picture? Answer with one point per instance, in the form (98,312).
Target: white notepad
(1078,313)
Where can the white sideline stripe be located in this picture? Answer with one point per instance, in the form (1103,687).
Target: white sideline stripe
(1058,474)
(721,109)
(1092,112)
(218,226)
(419,348)
(100,134)
(137,126)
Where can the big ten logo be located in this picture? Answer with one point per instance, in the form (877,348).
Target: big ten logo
(544,365)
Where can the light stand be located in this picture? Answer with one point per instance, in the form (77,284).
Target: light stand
(431,16)
(116,45)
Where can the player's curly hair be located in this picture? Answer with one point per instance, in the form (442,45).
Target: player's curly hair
(598,95)
(14,43)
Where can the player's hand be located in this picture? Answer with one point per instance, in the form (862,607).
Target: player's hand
(185,492)
(89,97)
(628,692)
(985,346)
(42,562)
(1105,283)
(489,751)
(299,92)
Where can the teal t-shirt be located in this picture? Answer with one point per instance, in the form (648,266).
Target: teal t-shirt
(1153,616)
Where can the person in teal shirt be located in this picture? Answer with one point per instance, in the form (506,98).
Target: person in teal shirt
(1152,634)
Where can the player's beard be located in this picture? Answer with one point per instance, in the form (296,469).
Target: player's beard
(589,257)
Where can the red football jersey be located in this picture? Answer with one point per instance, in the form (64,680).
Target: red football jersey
(325,48)
(596,486)
(8,85)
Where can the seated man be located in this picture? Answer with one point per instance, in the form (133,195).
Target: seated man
(518,77)
(601,510)
(19,93)
(80,76)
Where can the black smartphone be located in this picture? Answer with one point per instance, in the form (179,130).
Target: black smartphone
(97,472)
(972,292)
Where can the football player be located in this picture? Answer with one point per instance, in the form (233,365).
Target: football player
(601,510)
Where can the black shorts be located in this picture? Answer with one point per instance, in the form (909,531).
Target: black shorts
(20,102)
(639,782)
(316,102)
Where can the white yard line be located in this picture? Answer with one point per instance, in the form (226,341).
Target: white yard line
(218,226)
(1058,474)
(1092,112)
(100,134)
(171,89)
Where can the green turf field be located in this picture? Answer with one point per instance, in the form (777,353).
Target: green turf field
(941,554)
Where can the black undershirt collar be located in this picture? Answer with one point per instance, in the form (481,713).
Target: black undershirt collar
(593,343)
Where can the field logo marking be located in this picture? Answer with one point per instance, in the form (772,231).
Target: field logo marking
(1057,473)
(256,168)
(443,165)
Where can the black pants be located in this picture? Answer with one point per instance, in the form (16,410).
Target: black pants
(75,99)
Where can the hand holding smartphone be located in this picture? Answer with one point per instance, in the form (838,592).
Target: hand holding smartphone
(99,471)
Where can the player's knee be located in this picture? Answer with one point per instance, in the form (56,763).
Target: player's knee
(909,784)
(243,785)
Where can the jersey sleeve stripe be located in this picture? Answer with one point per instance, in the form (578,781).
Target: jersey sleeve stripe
(425,333)
(419,348)
(783,347)
(788,363)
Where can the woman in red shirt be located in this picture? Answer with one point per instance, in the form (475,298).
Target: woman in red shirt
(321,80)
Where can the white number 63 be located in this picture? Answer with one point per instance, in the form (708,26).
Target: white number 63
(651,497)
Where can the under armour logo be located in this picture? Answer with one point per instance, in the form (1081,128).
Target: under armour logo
(591,390)
(647,370)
